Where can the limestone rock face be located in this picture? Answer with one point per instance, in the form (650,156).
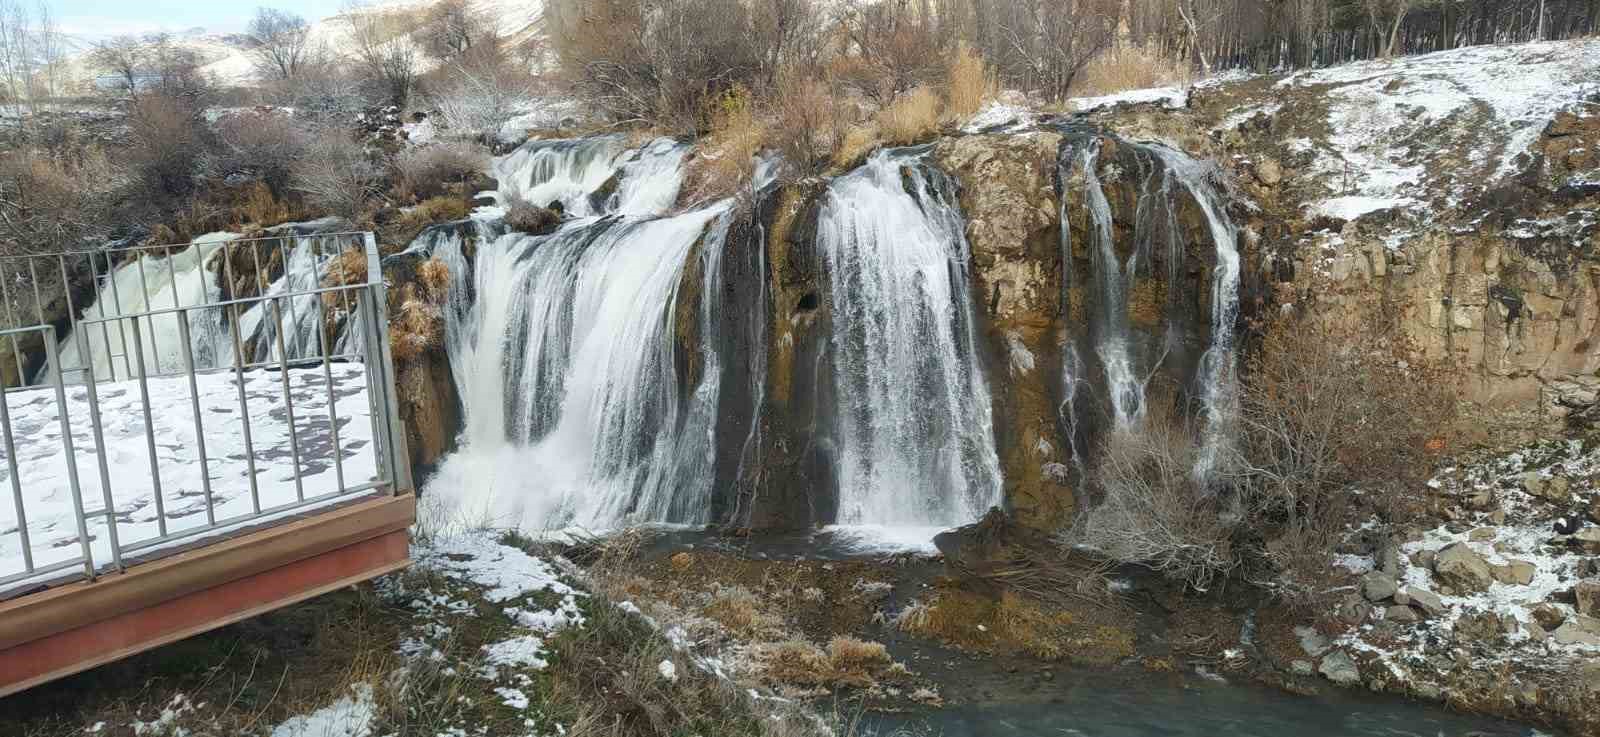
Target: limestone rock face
(429,406)
(1008,199)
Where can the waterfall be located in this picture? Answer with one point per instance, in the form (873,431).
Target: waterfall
(1216,375)
(914,423)
(189,278)
(564,171)
(564,349)
(144,283)
(1161,180)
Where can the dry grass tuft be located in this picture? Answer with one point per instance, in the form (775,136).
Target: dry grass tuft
(911,118)
(414,330)
(1015,623)
(434,276)
(525,217)
(260,207)
(1130,67)
(736,608)
(971,82)
(405,228)
(855,145)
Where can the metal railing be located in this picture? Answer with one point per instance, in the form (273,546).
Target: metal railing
(308,315)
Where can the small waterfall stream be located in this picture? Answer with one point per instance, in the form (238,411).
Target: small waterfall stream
(914,425)
(1160,182)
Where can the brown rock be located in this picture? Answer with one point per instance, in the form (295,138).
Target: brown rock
(1462,568)
(1548,616)
(1515,573)
(1588,596)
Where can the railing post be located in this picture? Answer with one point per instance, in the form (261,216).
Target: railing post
(199,422)
(52,356)
(16,480)
(149,429)
(93,395)
(395,447)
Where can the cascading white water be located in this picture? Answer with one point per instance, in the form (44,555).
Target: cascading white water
(180,279)
(563,347)
(1216,377)
(1124,383)
(1168,174)
(913,425)
(189,278)
(565,171)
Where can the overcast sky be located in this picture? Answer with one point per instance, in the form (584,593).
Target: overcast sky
(98,19)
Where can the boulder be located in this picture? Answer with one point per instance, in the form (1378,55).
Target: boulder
(1377,586)
(1588,596)
(1481,535)
(1401,614)
(1339,668)
(1462,568)
(1479,627)
(1311,641)
(1549,616)
(1578,630)
(1593,510)
(1268,171)
(1423,599)
(1302,668)
(1515,573)
(1556,489)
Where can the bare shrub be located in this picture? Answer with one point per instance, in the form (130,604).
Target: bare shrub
(281,41)
(1154,512)
(426,171)
(480,92)
(337,175)
(811,122)
(52,203)
(169,139)
(1337,409)
(970,82)
(264,147)
(738,134)
(1130,67)
(390,61)
(658,63)
(911,118)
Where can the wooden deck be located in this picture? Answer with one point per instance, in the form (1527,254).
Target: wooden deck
(316,517)
(71,628)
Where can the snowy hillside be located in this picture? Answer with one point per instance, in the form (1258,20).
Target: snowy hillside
(227,58)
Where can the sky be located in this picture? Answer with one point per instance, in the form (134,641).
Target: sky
(93,20)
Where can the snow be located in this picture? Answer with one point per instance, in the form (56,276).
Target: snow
(42,460)
(668,670)
(1492,102)
(505,572)
(524,651)
(351,716)
(1168,97)
(996,113)
(512,697)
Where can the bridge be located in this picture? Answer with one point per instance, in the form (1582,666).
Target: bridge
(210,434)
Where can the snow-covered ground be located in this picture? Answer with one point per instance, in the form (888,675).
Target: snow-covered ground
(1509,527)
(1491,101)
(41,457)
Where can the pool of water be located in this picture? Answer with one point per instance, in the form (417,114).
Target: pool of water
(1200,708)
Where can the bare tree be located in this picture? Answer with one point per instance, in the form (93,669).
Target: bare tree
(16,52)
(452,27)
(481,93)
(383,44)
(122,56)
(50,49)
(281,41)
